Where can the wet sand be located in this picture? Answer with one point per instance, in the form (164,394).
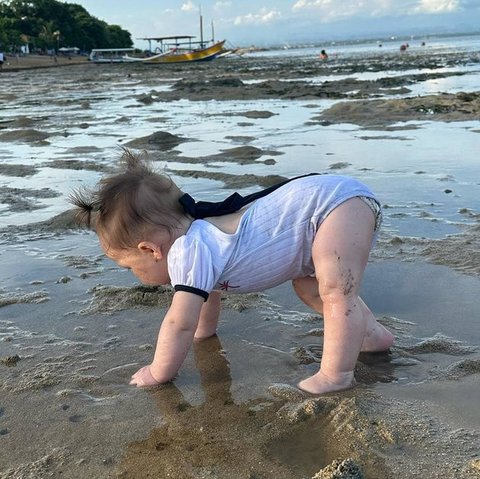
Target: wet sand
(74,327)
(233,412)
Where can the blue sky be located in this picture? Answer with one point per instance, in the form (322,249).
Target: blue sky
(267,22)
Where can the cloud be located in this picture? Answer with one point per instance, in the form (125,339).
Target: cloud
(305,4)
(263,17)
(437,6)
(332,10)
(220,6)
(188,6)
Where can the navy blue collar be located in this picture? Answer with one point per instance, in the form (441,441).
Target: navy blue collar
(203,209)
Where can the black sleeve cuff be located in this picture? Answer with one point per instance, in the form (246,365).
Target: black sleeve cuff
(190,289)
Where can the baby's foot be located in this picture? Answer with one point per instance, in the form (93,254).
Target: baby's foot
(377,338)
(319,383)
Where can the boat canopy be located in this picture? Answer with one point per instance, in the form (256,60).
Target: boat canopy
(113,50)
(160,39)
(174,42)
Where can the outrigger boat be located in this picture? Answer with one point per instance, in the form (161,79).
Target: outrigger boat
(173,49)
(110,55)
(179,49)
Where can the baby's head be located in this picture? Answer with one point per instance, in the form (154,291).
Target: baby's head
(131,206)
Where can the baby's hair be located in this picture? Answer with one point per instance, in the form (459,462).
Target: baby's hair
(126,207)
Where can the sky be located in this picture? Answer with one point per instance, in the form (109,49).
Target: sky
(280,22)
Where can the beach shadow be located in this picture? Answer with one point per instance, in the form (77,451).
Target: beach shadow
(372,368)
(256,438)
(216,438)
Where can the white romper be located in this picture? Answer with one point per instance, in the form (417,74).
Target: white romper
(272,243)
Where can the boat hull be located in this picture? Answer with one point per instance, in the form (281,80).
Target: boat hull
(199,55)
(108,60)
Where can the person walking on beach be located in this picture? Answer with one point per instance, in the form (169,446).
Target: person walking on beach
(316,230)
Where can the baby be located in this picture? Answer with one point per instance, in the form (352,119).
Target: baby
(316,231)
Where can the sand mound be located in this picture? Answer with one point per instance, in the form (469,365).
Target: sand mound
(338,469)
(232,181)
(109,299)
(27,136)
(380,113)
(160,140)
(17,170)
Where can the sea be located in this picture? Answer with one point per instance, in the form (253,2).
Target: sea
(79,117)
(66,406)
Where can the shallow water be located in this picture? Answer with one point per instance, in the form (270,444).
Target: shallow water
(75,359)
(99,108)
(75,364)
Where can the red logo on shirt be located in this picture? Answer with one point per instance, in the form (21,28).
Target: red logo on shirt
(225,286)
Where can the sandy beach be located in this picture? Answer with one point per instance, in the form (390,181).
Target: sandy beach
(32,62)
(74,326)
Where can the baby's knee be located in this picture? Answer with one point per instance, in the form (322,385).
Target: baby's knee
(338,290)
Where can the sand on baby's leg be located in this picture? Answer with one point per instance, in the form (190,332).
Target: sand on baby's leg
(340,254)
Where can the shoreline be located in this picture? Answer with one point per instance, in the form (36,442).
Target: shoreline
(36,62)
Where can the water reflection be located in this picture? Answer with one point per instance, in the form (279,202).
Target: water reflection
(215,380)
(217,438)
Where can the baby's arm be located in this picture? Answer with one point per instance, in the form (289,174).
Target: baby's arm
(174,340)
(207,325)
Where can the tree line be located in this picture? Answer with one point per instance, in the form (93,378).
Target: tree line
(49,24)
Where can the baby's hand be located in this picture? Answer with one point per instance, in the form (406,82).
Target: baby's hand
(143,377)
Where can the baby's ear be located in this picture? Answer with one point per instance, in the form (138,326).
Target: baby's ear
(148,247)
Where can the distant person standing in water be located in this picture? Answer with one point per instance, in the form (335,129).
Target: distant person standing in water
(2,59)
(323,55)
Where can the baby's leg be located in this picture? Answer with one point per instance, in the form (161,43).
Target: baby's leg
(340,253)
(307,290)
(377,337)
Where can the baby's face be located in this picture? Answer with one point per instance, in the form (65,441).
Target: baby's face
(143,264)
